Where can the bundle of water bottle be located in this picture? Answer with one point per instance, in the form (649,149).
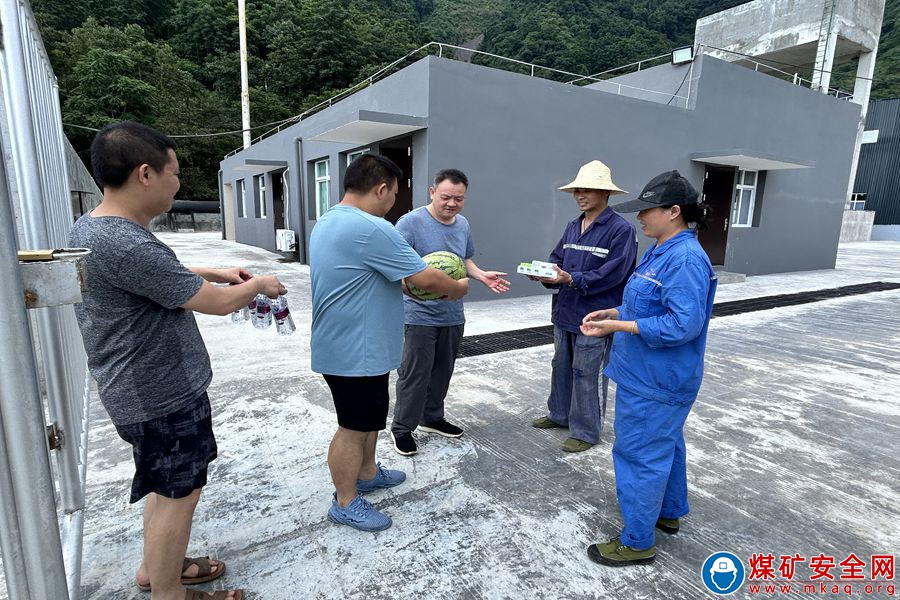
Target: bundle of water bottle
(262,310)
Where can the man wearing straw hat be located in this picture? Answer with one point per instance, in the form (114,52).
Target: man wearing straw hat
(593,260)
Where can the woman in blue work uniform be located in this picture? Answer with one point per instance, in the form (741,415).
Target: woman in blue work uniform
(657,364)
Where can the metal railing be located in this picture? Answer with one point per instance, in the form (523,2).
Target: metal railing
(41,525)
(637,65)
(767,68)
(534,70)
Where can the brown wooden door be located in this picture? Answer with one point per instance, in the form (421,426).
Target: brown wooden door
(400,151)
(718,186)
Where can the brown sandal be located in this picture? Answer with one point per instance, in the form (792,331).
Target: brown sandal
(220,595)
(204,572)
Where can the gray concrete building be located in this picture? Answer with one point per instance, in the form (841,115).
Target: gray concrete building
(790,37)
(772,158)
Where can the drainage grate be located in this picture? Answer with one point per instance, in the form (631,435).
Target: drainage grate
(504,341)
(726,309)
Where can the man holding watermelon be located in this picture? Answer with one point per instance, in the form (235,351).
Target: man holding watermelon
(357,261)
(434,327)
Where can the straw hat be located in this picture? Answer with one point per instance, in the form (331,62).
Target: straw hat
(594,176)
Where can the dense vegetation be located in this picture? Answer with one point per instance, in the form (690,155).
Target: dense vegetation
(173,64)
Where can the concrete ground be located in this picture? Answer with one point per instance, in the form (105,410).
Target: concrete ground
(792,448)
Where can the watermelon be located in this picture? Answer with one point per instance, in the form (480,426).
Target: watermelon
(447,262)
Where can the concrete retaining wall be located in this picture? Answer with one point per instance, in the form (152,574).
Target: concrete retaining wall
(857,225)
(203,221)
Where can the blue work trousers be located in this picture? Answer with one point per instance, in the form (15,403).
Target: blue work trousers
(578,361)
(649,461)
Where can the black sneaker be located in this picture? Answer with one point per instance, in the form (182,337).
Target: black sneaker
(443,428)
(405,443)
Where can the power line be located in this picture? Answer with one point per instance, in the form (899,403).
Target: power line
(200,135)
(681,85)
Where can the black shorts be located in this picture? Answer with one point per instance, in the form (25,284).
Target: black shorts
(361,403)
(172,453)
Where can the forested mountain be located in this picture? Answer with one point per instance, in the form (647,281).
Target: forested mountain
(173,64)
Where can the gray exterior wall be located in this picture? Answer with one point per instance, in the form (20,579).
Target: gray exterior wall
(802,209)
(518,138)
(665,84)
(405,93)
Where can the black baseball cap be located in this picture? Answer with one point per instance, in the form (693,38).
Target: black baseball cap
(666,189)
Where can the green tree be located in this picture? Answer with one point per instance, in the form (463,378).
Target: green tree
(117,74)
(174,64)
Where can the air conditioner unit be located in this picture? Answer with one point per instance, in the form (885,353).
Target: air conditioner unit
(285,240)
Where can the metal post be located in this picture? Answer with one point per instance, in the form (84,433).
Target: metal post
(25,158)
(32,551)
(10,536)
(245,85)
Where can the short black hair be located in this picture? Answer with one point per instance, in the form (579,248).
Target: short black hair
(454,175)
(119,148)
(368,171)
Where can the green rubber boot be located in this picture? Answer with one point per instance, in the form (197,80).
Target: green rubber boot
(613,553)
(670,526)
(546,423)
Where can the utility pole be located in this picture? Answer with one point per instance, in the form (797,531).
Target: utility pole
(245,85)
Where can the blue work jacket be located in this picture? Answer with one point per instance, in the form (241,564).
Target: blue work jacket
(599,260)
(670,295)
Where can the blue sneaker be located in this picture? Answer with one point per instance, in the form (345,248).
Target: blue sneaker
(384,478)
(359,514)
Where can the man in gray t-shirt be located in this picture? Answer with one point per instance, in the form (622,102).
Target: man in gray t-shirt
(434,328)
(144,348)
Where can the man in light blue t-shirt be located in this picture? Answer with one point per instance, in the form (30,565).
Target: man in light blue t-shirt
(434,328)
(357,261)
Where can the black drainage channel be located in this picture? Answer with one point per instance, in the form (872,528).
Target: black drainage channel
(504,341)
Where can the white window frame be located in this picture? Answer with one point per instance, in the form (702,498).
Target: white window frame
(857,201)
(326,178)
(351,156)
(242,198)
(739,189)
(262,195)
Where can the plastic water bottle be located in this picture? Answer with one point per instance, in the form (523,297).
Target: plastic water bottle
(251,308)
(263,317)
(284,323)
(240,315)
